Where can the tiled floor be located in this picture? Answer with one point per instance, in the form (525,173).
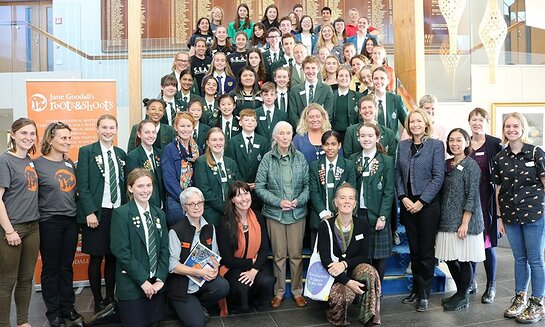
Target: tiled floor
(393,312)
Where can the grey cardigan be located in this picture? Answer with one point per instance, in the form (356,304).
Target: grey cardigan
(427,168)
(460,193)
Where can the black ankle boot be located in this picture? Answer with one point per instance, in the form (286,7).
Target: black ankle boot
(489,293)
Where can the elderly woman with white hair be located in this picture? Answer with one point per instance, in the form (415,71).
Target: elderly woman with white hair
(282,184)
(187,297)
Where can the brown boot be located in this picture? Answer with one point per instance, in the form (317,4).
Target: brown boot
(517,306)
(534,311)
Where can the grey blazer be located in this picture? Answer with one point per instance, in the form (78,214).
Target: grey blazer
(427,169)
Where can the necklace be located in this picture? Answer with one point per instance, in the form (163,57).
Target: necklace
(417,147)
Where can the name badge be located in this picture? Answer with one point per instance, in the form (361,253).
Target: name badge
(224,179)
(262,118)
(460,167)
(67,164)
(359,237)
(330,185)
(365,174)
(234,128)
(31,164)
(478,154)
(186,245)
(530,164)
(302,92)
(256,146)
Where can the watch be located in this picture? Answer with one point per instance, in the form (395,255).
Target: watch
(382,218)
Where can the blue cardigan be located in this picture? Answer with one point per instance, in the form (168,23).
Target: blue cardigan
(427,168)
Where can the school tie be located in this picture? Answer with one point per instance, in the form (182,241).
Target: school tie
(283,102)
(195,134)
(310,93)
(152,243)
(227,130)
(152,161)
(185,99)
(210,108)
(224,185)
(220,85)
(381,113)
(269,119)
(290,62)
(112,177)
(330,185)
(172,111)
(365,163)
(250,144)
(275,57)
(301,74)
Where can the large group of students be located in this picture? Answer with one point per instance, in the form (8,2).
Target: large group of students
(267,136)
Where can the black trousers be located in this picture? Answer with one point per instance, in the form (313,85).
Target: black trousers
(58,239)
(190,311)
(242,296)
(421,231)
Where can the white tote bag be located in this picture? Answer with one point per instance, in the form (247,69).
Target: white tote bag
(319,281)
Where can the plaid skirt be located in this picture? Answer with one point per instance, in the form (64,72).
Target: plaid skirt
(341,297)
(380,241)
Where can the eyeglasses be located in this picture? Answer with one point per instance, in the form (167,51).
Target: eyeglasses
(182,60)
(195,205)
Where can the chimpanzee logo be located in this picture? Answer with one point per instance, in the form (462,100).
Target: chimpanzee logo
(67,180)
(31,179)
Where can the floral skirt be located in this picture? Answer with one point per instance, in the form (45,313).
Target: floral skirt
(341,297)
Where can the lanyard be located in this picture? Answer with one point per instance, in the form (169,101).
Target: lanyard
(345,243)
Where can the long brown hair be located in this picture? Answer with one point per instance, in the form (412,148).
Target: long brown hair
(380,147)
(138,140)
(17,125)
(208,153)
(231,216)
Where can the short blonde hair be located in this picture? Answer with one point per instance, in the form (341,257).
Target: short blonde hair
(302,127)
(520,117)
(428,131)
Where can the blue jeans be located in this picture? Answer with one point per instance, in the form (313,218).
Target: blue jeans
(174,211)
(527,243)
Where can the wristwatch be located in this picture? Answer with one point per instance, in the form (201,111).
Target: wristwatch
(382,218)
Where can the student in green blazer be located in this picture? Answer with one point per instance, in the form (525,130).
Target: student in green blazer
(226,121)
(200,130)
(184,95)
(169,91)
(375,172)
(100,175)
(139,241)
(393,111)
(300,95)
(155,110)
(345,103)
(322,188)
(210,103)
(213,175)
(368,111)
(269,114)
(148,157)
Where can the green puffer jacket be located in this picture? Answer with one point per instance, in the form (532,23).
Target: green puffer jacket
(270,186)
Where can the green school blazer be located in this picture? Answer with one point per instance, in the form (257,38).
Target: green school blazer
(378,185)
(137,158)
(345,171)
(352,144)
(90,179)
(247,163)
(208,180)
(128,245)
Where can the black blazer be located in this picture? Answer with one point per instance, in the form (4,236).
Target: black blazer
(356,253)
